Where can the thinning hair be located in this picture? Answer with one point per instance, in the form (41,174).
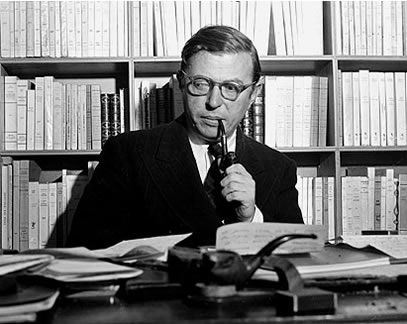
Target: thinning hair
(220,39)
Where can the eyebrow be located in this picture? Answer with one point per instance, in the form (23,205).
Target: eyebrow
(236,80)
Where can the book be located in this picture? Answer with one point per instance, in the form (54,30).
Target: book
(104,117)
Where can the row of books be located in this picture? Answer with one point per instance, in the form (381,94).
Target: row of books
(295,111)
(289,111)
(317,202)
(252,123)
(38,205)
(158,101)
(63,28)
(161,28)
(371,27)
(373,108)
(51,115)
(376,202)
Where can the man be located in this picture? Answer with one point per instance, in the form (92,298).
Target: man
(152,182)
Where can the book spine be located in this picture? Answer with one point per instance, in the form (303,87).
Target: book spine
(5,49)
(30,28)
(114,114)
(16,205)
(22,87)
(88,109)
(96,117)
(84,28)
(43,214)
(78,29)
(33,229)
(24,205)
(44,28)
(104,117)
(247,122)
(258,117)
(10,113)
(57,117)
(52,212)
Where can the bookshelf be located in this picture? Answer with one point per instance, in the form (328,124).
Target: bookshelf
(332,160)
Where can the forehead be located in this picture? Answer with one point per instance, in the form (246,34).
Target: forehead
(222,66)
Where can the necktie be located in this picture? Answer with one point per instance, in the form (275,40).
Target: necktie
(211,183)
(224,210)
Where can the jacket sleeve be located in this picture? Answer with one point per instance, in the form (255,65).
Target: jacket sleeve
(287,200)
(98,219)
(283,203)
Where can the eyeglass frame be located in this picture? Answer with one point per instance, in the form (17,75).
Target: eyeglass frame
(213,83)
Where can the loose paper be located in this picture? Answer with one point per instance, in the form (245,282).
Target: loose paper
(393,245)
(249,238)
(161,243)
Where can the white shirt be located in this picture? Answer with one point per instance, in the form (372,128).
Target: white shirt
(204,160)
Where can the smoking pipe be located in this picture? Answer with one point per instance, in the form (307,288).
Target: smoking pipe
(228,158)
(228,268)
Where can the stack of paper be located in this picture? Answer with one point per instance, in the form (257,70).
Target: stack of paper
(23,304)
(86,270)
(15,262)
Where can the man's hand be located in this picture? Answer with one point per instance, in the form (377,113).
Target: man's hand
(239,186)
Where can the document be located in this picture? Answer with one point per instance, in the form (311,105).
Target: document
(86,270)
(16,262)
(27,301)
(155,246)
(159,243)
(333,260)
(249,238)
(393,245)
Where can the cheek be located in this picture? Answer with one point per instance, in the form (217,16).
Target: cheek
(195,104)
(238,110)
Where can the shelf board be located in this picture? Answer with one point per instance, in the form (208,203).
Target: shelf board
(50,153)
(67,68)
(361,149)
(316,149)
(373,63)
(294,65)
(372,157)
(159,66)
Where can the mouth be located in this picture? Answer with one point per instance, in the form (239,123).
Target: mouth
(211,121)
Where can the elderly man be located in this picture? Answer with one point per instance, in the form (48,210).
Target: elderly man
(154,182)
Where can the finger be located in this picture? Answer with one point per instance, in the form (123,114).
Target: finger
(244,179)
(243,192)
(236,168)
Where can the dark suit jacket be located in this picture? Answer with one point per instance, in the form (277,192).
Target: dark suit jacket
(147,184)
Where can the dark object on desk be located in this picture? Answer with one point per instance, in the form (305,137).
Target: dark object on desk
(221,267)
(306,301)
(222,276)
(152,284)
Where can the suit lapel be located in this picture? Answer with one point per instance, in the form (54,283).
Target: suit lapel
(251,159)
(174,170)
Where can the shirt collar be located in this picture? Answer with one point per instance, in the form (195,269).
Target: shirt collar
(197,148)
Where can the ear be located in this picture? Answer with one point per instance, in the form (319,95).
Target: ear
(255,92)
(180,78)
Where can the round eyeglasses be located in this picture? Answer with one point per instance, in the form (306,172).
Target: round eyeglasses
(199,85)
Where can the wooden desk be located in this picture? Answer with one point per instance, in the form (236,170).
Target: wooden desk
(379,308)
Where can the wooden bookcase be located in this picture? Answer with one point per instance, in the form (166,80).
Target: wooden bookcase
(331,160)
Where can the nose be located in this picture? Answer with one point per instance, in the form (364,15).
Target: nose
(214,98)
